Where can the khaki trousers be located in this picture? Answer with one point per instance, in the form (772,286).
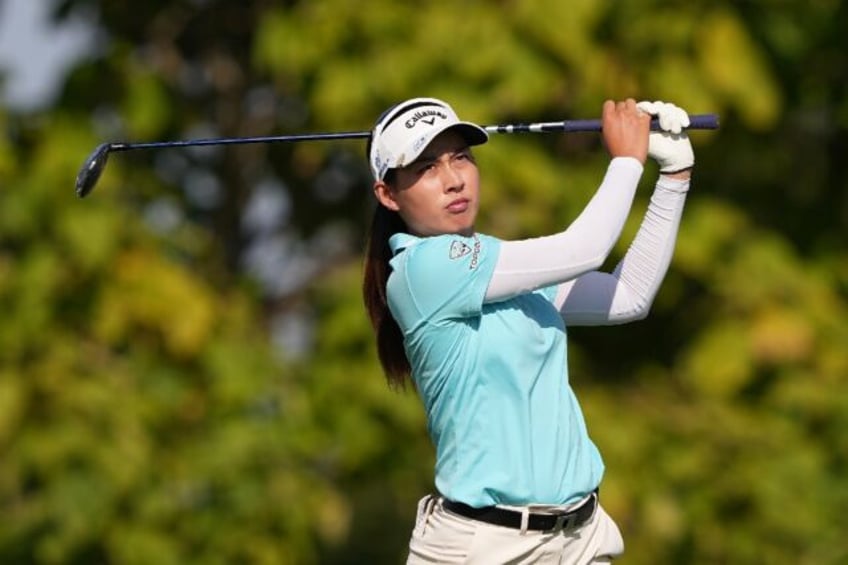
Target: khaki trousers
(441,536)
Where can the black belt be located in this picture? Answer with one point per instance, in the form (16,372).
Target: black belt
(512,518)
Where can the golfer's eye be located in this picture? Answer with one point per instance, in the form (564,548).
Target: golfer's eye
(426,167)
(464,155)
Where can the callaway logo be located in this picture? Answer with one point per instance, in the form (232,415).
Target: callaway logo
(459,249)
(426,116)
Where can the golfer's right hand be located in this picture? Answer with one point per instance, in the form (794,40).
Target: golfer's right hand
(625,129)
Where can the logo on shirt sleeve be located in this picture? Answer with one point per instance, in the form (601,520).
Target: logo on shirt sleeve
(459,249)
(476,254)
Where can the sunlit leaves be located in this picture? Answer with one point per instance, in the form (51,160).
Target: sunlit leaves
(736,67)
(12,406)
(88,235)
(143,298)
(781,335)
(720,360)
(146,108)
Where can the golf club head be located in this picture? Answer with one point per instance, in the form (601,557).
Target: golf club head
(91,169)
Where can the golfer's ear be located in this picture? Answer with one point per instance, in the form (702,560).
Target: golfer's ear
(385,195)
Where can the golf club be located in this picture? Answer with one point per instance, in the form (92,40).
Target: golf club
(96,162)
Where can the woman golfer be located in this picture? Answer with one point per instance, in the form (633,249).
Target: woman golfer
(479,325)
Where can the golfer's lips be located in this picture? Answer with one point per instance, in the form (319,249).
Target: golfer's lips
(458,206)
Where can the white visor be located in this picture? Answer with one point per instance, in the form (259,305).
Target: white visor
(406,129)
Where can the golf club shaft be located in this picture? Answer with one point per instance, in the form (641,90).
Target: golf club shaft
(699,121)
(93,166)
(124,146)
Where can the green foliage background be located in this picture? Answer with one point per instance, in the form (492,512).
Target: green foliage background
(150,412)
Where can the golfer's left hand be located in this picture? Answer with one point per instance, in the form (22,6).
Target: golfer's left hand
(670,147)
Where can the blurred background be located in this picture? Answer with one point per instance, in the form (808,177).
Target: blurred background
(187,374)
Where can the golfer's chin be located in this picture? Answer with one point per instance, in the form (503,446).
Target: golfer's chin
(466,231)
(460,225)
(451,224)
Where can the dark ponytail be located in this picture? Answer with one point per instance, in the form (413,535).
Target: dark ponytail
(390,348)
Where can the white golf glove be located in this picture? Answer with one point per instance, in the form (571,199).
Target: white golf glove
(671,147)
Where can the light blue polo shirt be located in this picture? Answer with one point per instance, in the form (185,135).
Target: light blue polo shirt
(493,377)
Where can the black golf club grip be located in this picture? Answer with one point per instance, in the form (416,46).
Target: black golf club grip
(696,121)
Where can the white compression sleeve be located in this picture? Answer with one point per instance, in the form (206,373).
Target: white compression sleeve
(529,264)
(627,293)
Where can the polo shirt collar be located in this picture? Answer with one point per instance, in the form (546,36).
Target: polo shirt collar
(400,241)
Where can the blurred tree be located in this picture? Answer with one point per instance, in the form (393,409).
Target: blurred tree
(187,374)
